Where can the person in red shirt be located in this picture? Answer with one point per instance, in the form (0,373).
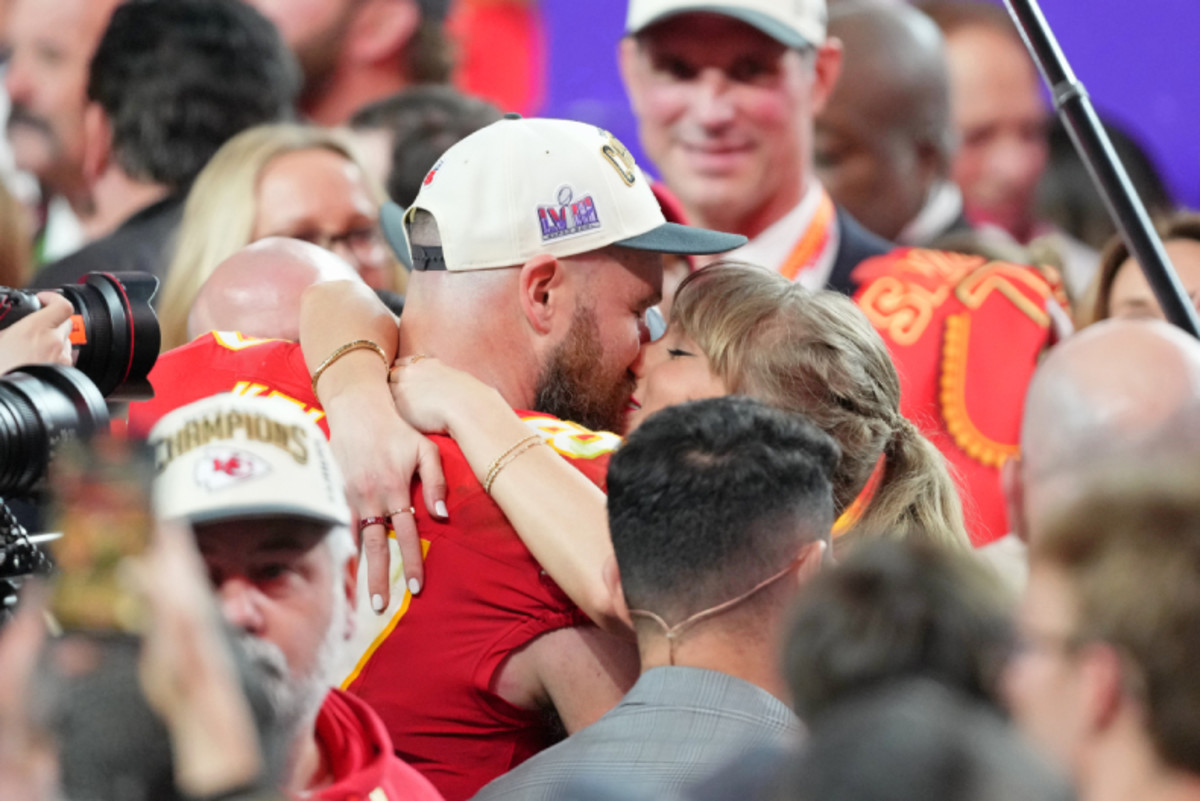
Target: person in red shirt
(536,250)
(255,479)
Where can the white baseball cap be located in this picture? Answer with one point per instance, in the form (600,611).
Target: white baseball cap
(795,23)
(519,188)
(231,457)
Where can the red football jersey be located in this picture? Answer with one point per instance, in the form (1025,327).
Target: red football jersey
(219,362)
(432,661)
(358,753)
(965,334)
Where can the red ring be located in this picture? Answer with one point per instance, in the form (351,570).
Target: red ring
(372,521)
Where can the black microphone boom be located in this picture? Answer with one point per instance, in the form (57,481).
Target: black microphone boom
(1126,208)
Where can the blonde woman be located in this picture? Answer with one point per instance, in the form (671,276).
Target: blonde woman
(288,180)
(734,329)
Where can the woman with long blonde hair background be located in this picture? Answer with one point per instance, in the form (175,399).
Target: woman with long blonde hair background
(289,180)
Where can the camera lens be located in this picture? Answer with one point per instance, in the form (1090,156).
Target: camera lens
(40,406)
(121,329)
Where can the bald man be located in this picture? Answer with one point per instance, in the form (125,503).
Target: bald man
(1119,392)
(884,141)
(257,290)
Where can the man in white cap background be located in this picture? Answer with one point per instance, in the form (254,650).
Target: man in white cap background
(725,94)
(536,252)
(256,480)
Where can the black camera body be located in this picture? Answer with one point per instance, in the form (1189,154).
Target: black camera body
(116,338)
(115,331)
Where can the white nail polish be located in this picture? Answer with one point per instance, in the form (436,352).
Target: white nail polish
(377,602)
(440,507)
(414,586)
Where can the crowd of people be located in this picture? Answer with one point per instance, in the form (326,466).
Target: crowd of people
(833,463)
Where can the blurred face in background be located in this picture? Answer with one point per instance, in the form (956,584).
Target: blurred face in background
(1001,124)
(321,197)
(1131,297)
(52,42)
(725,112)
(313,29)
(1044,684)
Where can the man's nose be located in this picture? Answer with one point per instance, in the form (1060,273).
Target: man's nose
(713,104)
(16,80)
(239,601)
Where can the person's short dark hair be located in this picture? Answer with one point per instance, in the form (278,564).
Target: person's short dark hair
(708,499)
(424,122)
(892,610)
(179,78)
(916,741)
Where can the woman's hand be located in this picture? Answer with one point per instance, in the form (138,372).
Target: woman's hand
(431,397)
(379,455)
(43,337)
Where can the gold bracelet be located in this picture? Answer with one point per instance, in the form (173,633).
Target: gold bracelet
(357,344)
(503,460)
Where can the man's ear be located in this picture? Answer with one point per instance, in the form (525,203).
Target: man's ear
(1012,479)
(628,55)
(810,561)
(97,142)
(382,29)
(1102,683)
(544,300)
(350,587)
(826,69)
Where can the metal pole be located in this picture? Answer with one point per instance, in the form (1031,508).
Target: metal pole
(1092,142)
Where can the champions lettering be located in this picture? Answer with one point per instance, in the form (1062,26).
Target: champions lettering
(232,426)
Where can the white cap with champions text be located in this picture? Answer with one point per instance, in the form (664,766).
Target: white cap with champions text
(519,188)
(795,23)
(232,457)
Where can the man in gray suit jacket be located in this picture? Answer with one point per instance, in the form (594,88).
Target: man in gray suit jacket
(718,509)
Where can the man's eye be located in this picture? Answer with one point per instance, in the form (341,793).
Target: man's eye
(271,572)
(676,353)
(676,68)
(749,70)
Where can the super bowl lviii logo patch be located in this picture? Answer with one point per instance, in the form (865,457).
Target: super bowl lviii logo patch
(569,216)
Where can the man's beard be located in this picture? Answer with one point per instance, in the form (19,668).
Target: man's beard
(572,385)
(296,699)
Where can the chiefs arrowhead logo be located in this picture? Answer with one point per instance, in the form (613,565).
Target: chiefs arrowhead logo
(224,467)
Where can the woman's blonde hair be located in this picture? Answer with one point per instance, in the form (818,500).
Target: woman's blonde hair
(816,353)
(1095,306)
(220,213)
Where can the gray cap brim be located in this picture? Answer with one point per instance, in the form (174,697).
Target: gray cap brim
(684,240)
(789,37)
(391,220)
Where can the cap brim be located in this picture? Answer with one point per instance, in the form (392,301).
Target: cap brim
(684,240)
(391,222)
(785,35)
(259,511)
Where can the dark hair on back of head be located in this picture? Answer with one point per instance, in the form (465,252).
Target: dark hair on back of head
(179,78)
(709,498)
(897,609)
(424,122)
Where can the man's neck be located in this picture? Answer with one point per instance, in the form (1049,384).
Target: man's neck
(750,658)
(489,359)
(346,91)
(117,198)
(1124,766)
(306,766)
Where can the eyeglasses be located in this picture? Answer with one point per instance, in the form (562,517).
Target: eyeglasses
(362,242)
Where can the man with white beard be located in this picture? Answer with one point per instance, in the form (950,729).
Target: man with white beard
(256,480)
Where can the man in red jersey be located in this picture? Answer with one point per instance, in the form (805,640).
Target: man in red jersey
(536,250)
(257,482)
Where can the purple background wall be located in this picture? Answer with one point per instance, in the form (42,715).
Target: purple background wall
(1138,59)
